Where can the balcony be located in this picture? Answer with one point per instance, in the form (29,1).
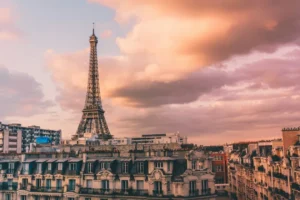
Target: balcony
(157,193)
(94,191)
(296,186)
(13,186)
(47,189)
(122,192)
(10,171)
(193,193)
(23,187)
(205,191)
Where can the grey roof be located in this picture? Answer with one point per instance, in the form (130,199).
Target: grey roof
(106,159)
(141,159)
(41,160)
(124,159)
(8,161)
(29,160)
(161,158)
(51,160)
(75,160)
(91,160)
(62,160)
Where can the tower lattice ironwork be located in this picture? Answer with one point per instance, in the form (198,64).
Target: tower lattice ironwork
(93,120)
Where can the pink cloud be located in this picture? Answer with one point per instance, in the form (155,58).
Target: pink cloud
(106,34)
(8,31)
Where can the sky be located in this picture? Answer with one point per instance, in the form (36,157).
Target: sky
(214,71)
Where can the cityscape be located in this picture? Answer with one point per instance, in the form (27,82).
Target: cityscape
(138,99)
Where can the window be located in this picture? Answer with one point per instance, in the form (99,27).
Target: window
(72,166)
(168,186)
(219,180)
(58,183)
(219,168)
(48,183)
(157,187)
(89,183)
(194,164)
(158,164)
(9,183)
(71,185)
(11,165)
(7,196)
(87,198)
(39,168)
(125,167)
(70,198)
(139,185)
(103,165)
(192,186)
(24,182)
(49,166)
(23,197)
(60,166)
(38,183)
(26,168)
(105,184)
(140,167)
(169,166)
(89,167)
(124,185)
(204,186)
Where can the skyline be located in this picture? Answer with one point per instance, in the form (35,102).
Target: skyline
(216,77)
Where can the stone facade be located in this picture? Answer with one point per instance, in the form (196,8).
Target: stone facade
(98,175)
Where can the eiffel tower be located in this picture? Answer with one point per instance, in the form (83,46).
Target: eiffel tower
(93,120)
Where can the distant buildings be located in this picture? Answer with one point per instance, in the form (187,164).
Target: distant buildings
(165,138)
(266,170)
(15,138)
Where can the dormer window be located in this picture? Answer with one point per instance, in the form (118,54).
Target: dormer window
(89,167)
(39,168)
(72,166)
(194,164)
(11,165)
(125,167)
(60,166)
(158,164)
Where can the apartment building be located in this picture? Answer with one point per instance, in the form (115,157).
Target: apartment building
(270,170)
(107,175)
(15,138)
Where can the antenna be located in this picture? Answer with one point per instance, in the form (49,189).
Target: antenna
(93,28)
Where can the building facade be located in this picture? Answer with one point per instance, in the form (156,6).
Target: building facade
(267,170)
(106,175)
(15,138)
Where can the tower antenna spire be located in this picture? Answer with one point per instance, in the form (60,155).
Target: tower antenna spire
(93,28)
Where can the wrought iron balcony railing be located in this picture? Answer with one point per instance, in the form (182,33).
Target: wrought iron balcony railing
(46,189)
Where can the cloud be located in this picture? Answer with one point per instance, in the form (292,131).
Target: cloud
(20,95)
(8,31)
(106,34)
(177,69)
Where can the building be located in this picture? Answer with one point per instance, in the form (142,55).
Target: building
(219,167)
(93,122)
(15,138)
(267,170)
(98,175)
